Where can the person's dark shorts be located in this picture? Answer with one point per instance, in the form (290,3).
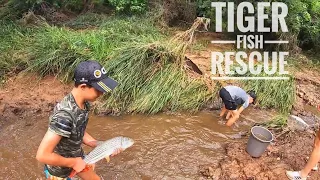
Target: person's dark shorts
(227,99)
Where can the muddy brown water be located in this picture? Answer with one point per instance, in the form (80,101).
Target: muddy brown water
(312,109)
(167,146)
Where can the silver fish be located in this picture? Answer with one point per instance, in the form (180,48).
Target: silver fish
(106,148)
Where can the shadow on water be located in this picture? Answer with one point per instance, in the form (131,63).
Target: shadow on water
(167,146)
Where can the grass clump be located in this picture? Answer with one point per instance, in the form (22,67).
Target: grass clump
(271,93)
(278,122)
(278,94)
(13,56)
(152,79)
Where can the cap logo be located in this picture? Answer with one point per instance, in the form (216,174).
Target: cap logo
(83,80)
(97,73)
(103,70)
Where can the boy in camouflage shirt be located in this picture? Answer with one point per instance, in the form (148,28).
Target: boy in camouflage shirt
(60,149)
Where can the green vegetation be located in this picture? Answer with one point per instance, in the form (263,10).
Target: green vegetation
(279,94)
(152,80)
(303,22)
(13,57)
(278,122)
(136,6)
(12,9)
(56,50)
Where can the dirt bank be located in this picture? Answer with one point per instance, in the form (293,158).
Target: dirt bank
(289,152)
(26,97)
(307,91)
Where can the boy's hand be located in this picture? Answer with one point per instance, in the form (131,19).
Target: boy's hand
(117,151)
(79,164)
(94,144)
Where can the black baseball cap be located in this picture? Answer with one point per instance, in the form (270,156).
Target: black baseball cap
(253,95)
(94,74)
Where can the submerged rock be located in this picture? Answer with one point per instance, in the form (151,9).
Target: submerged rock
(297,123)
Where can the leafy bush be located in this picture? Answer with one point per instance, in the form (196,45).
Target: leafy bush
(129,6)
(13,9)
(303,20)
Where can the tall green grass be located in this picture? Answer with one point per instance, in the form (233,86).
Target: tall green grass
(152,80)
(14,39)
(278,94)
(57,50)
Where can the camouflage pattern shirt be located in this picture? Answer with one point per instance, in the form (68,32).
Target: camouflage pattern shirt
(70,122)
